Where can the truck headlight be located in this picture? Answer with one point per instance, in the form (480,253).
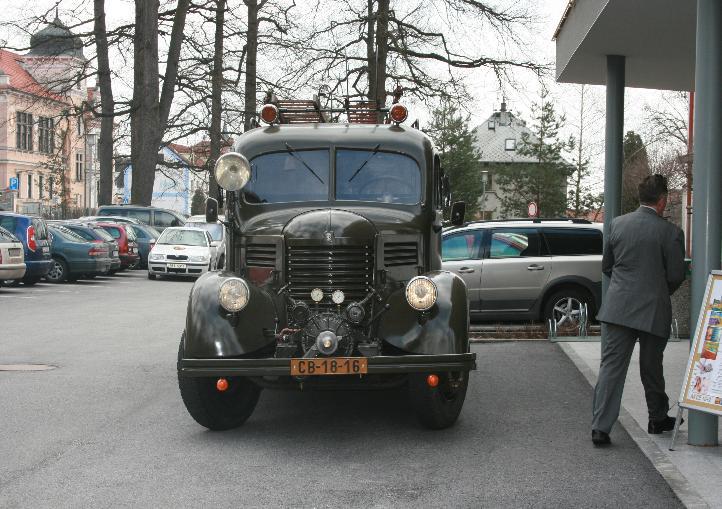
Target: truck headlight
(233,294)
(421,293)
(233,171)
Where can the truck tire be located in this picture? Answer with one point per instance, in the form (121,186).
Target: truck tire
(438,407)
(215,410)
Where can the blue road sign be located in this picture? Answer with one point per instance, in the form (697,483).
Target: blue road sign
(14,184)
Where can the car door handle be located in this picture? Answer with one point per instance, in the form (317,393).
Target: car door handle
(466,270)
(534,266)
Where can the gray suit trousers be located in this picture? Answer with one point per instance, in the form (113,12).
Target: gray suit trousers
(617,347)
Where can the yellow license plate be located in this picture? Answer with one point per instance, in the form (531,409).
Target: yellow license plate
(329,366)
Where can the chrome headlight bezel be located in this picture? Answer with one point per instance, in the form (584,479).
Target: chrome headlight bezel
(199,258)
(232,171)
(421,302)
(156,257)
(234,294)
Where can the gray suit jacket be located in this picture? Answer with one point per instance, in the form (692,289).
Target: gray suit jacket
(644,257)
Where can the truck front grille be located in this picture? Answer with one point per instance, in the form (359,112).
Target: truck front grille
(345,268)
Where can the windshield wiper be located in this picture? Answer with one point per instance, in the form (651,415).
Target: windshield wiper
(292,151)
(376,149)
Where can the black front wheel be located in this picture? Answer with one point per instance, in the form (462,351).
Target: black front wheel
(214,409)
(438,407)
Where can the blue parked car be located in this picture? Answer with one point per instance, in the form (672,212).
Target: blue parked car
(146,237)
(74,257)
(33,233)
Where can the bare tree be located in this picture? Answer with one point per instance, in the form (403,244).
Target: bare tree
(107,106)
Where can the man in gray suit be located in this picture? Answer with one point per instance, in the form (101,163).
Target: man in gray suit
(644,259)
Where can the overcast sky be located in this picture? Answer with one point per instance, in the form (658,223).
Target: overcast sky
(486,91)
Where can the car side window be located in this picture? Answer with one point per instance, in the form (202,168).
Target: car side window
(461,246)
(164,219)
(515,243)
(139,214)
(573,241)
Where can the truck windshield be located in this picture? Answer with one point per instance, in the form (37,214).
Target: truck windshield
(376,176)
(282,177)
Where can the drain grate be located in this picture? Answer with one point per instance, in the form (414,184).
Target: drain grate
(26,367)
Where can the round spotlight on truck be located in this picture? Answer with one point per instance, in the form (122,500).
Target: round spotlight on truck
(398,113)
(269,113)
(421,293)
(233,294)
(233,171)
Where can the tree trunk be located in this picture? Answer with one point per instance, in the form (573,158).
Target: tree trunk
(171,67)
(107,107)
(251,58)
(370,51)
(145,133)
(216,95)
(382,49)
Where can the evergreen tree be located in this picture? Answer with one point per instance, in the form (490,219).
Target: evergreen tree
(459,157)
(198,202)
(543,181)
(635,168)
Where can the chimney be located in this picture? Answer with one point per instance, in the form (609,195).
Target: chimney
(503,106)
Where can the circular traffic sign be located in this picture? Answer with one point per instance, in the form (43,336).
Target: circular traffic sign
(533,209)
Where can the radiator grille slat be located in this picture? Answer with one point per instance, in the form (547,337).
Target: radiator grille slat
(345,268)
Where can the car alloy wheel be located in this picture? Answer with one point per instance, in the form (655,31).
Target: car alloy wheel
(567,312)
(57,272)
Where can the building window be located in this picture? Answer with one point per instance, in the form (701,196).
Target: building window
(30,185)
(41,191)
(78,167)
(51,190)
(46,135)
(491,124)
(24,131)
(510,144)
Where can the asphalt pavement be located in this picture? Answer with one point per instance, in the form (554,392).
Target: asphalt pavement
(108,428)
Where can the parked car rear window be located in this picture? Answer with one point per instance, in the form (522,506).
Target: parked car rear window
(515,243)
(573,241)
(140,215)
(66,233)
(103,234)
(6,236)
(462,246)
(164,219)
(114,232)
(81,232)
(9,222)
(183,238)
(130,232)
(41,232)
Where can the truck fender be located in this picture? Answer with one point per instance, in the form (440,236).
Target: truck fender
(443,329)
(212,332)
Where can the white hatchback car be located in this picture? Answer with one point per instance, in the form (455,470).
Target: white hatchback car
(12,256)
(181,251)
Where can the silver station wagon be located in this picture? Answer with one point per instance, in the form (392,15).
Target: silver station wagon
(527,270)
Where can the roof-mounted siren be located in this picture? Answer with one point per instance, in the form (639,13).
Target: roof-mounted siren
(398,113)
(269,114)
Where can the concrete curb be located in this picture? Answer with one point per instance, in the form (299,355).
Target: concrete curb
(676,480)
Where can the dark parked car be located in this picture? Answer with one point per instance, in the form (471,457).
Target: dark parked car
(93,233)
(127,245)
(333,273)
(74,257)
(145,237)
(160,219)
(32,232)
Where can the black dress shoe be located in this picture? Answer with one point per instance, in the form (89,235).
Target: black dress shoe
(600,437)
(666,424)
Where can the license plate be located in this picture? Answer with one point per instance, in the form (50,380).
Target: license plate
(46,249)
(14,251)
(115,254)
(176,265)
(330,366)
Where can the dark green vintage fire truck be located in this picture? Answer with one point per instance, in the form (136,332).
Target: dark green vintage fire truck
(333,277)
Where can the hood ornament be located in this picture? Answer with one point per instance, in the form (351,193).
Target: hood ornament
(329,237)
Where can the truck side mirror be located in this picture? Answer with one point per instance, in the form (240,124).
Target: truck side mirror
(211,210)
(458,211)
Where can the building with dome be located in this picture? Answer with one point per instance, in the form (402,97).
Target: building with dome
(48,138)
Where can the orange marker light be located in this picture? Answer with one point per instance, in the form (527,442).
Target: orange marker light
(398,113)
(269,113)
(222,384)
(432,380)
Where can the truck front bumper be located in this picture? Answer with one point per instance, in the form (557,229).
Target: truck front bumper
(380,365)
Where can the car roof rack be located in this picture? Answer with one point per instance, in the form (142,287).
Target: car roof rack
(534,220)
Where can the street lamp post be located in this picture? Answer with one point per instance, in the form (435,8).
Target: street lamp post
(484,177)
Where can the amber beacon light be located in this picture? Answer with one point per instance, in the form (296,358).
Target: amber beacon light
(398,113)
(269,113)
